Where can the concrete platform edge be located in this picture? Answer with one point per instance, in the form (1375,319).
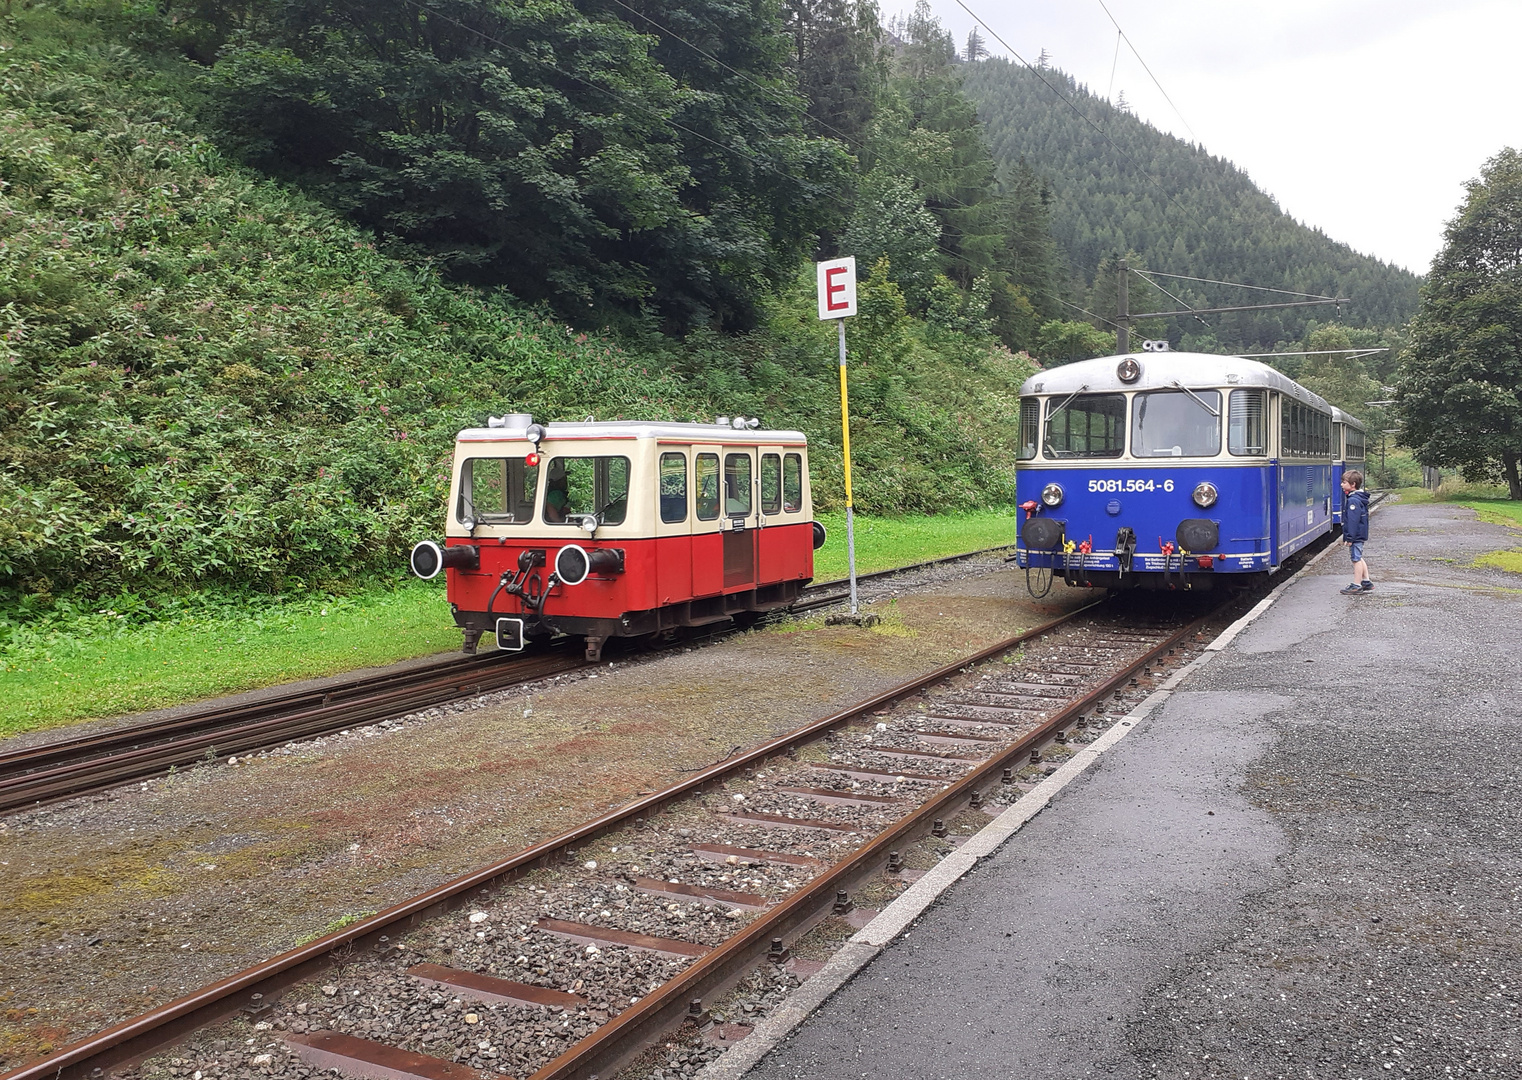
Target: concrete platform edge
(899,915)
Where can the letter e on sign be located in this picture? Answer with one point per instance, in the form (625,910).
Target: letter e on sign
(837,288)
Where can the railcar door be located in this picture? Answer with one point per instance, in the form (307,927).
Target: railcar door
(673,524)
(785,539)
(707,504)
(740,518)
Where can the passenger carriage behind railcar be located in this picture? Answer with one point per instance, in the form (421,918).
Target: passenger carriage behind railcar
(1170,471)
(621,529)
(1348,438)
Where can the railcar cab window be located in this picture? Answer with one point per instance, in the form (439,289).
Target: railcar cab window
(1247,423)
(673,488)
(708,487)
(792,483)
(1086,426)
(1030,427)
(1173,423)
(497,490)
(587,485)
(737,485)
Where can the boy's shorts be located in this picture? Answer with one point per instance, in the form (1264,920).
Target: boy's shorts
(1355,549)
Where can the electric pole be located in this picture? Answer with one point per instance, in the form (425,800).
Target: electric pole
(1122,316)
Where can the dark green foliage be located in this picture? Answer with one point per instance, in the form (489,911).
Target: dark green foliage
(1183,210)
(206,380)
(838,62)
(1460,388)
(583,155)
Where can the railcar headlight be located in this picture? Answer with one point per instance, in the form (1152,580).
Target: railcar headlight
(1205,495)
(1051,495)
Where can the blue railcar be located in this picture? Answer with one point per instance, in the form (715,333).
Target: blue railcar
(1171,470)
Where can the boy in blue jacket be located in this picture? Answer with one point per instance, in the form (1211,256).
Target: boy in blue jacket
(1355,529)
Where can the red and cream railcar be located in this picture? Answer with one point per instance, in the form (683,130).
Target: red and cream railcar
(621,529)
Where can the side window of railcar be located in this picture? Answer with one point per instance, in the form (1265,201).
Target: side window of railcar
(673,487)
(587,485)
(1355,443)
(1171,423)
(792,483)
(1089,425)
(1030,427)
(499,490)
(737,484)
(771,484)
(1247,424)
(708,487)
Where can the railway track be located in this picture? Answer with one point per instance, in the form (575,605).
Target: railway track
(73,767)
(574,957)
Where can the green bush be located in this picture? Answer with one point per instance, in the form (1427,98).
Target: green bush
(209,382)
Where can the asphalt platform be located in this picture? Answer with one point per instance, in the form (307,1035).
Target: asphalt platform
(1306,863)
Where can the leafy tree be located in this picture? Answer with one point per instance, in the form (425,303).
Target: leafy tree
(891,223)
(1460,388)
(1062,341)
(839,64)
(585,155)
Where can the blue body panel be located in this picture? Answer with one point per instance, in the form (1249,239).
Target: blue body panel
(1264,512)
(1337,468)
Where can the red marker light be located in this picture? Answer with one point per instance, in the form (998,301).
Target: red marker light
(532,460)
(1206,562)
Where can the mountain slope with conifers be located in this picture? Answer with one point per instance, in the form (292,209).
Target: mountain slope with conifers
(1181,209)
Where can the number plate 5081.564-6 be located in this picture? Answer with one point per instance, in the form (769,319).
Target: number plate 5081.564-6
(1130,485)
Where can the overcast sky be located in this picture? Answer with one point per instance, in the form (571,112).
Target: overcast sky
(1364,118)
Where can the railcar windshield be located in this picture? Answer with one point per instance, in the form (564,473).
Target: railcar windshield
(1173,423)
(1086,426)
(587,485)
(497,490)
(1030,427)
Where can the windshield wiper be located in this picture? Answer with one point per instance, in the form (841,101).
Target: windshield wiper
(1066,402)
(1201,401)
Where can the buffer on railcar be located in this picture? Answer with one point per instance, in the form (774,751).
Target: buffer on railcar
(621,528)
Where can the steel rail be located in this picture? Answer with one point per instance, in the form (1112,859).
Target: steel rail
(613,1044)
(72,767)
(163,1026)
(188,741)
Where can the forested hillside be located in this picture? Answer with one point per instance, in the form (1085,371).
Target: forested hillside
(208,379)
(1182,210)
(260,260)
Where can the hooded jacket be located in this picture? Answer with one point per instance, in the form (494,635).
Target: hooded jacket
(1355,517)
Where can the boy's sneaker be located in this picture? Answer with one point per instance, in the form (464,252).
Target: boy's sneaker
(1368,586)
(1353,589)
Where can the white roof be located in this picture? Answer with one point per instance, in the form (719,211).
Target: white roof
(674,431)
(1340,417)
(1159,371)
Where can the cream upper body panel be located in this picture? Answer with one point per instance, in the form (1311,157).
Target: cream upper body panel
(625,457)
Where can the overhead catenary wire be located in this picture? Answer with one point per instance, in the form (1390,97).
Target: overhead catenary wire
(1130,45)
(1170,197)
(1234,285)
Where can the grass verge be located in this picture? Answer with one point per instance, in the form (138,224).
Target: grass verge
(885,542)
(73,675)
(95,669)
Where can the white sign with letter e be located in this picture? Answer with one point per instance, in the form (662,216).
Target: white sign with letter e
(837,288)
